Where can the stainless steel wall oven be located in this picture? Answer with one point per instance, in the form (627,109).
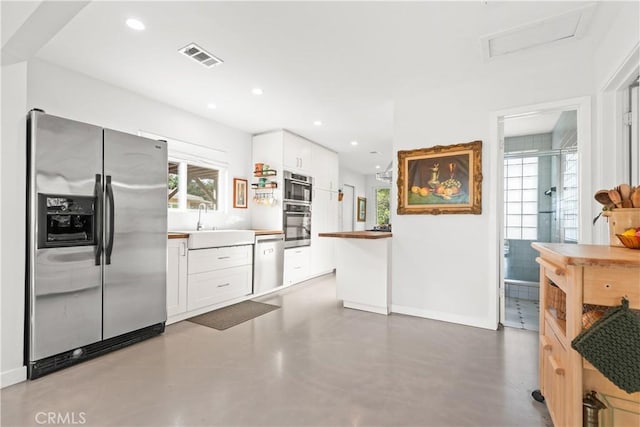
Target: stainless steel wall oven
(297,224)
(297,188)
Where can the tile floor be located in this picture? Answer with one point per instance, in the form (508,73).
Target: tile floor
(310,363)
(522,314)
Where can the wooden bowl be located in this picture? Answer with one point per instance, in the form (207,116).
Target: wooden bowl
(631,242)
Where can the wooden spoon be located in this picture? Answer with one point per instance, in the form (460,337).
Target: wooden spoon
(614,195)
(635,198)
(602,197)
(625,193)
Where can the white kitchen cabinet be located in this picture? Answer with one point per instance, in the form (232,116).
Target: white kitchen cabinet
(176,277)
(217,275)
(297,153)
(323,220)
(296,265)
(324,168)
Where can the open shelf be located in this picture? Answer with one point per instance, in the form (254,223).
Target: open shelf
(263,173)
(267,186)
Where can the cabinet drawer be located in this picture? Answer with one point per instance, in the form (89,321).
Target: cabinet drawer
(214,287)
(297,265)
(202,260)
(607,286)
(554,386)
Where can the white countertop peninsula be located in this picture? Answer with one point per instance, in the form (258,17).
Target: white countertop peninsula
(363,269)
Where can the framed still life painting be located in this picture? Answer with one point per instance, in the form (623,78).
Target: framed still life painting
(440,180)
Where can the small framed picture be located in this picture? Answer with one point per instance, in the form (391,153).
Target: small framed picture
(362,209)
(240,193)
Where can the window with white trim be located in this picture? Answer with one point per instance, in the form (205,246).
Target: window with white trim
(521,198)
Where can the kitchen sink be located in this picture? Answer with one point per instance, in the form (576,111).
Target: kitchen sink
(215,238)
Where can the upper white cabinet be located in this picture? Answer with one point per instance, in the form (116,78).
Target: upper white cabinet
(297,153)
(324,168)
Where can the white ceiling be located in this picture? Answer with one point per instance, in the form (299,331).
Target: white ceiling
(338,62)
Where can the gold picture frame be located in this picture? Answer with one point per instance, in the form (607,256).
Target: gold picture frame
(240,196)
(362,209)
(441,180)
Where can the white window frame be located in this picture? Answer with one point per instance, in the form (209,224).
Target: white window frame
(185,153)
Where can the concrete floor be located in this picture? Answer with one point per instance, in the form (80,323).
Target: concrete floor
(311,362)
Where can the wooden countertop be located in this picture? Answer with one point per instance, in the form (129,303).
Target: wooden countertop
(358,234)
(589,254)
(267,232)
(173,235)
(176,235)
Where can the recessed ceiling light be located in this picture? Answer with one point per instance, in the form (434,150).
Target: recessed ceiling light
(377,166)
(135,24)
(212,106)
(317,123)
(354,142)
(257,91)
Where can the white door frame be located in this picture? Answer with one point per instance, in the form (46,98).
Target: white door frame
(496,155)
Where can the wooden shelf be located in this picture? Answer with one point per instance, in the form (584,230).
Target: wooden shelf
(267,186)
(263,173)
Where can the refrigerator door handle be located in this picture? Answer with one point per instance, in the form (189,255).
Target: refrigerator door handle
(109,248)
(98,217)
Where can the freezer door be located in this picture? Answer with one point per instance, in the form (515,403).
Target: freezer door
(64,290)
(134,285)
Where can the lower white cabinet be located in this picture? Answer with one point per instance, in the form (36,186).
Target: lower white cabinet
(214,287)
(176,276)
(217,275)
(297,265)
(324,219)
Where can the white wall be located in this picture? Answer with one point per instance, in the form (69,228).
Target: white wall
(358,181)
(76,96)
(12,222)
(444,267)
(68,94)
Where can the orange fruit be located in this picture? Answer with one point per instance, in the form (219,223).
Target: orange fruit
(424,191)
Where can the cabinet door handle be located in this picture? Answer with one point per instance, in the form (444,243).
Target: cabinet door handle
(544,340)
(550,266)
(297,268)
(224,257)
(223,285)
(554,365)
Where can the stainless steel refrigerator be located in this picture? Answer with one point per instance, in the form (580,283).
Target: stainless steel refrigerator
(97,239)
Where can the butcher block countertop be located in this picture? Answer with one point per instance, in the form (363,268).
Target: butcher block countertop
(358,234)
(173,235)
(267,232)
(571,254)
(176,235)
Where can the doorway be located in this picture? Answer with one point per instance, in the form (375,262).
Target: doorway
(348,203)
(543,195)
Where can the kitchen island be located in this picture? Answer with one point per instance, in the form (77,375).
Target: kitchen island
(363,269)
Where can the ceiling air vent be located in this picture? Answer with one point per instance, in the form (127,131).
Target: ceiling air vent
(200,55)
(568,25)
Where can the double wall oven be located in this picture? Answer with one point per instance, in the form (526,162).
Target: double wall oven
(297,210)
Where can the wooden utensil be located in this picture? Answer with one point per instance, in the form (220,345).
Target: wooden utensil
(614,195)
(602,197)
(635,198)
(625,193)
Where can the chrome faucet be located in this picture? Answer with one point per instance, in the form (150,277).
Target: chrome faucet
(200,206)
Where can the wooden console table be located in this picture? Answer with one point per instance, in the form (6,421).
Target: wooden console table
(587,274)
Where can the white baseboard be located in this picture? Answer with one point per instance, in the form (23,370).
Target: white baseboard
(13,376)
(445,317)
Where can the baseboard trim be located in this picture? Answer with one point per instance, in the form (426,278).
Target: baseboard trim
(13,376)
(444,317)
